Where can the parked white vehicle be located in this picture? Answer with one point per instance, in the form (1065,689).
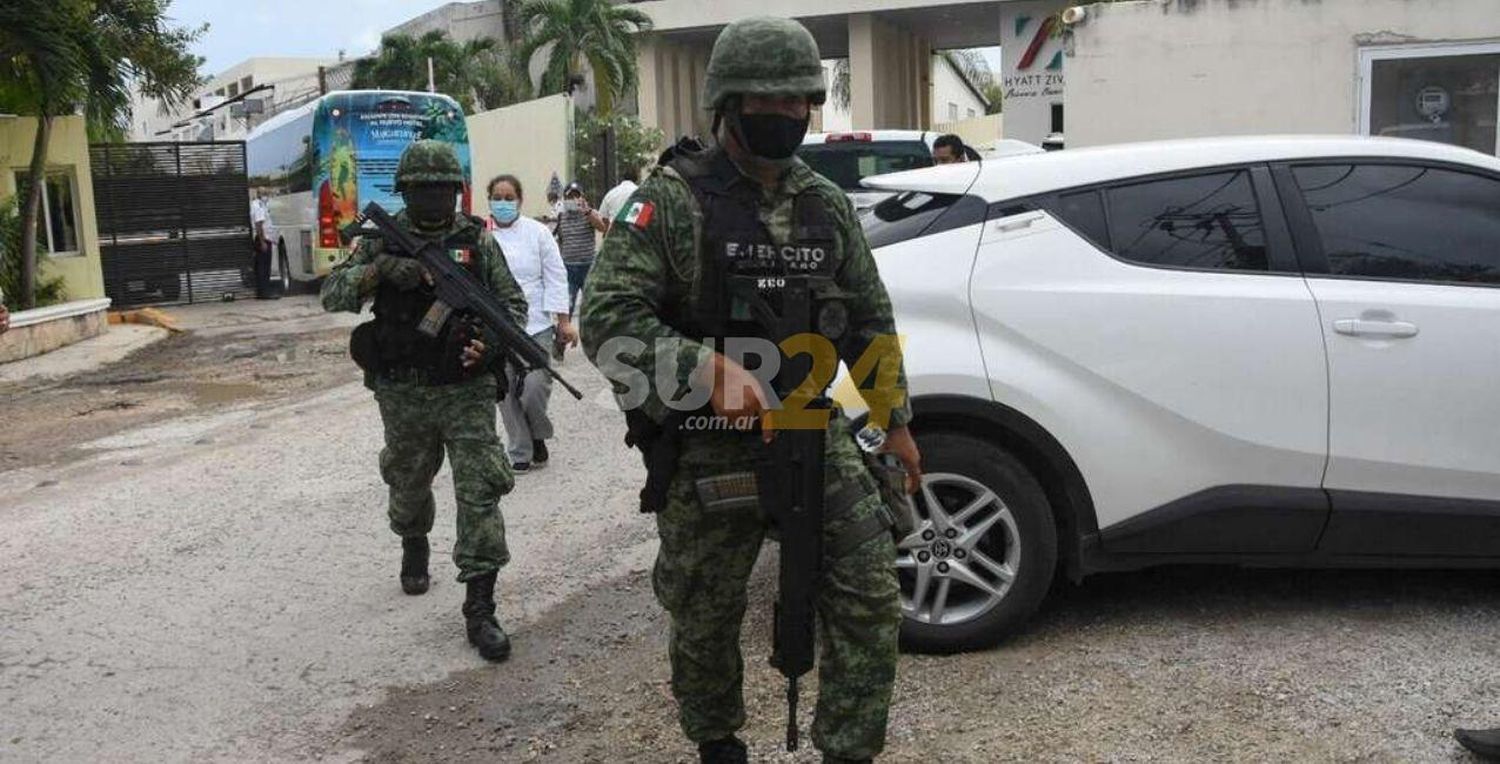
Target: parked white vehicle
(848,158)
(1279,351)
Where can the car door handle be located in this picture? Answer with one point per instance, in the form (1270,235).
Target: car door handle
(1019,222)
(1356,327)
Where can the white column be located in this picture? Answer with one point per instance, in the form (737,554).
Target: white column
(862,72)
(648,89)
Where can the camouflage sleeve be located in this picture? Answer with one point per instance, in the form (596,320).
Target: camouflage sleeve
(627,292)
(498,278)
(872,323)
(352,281)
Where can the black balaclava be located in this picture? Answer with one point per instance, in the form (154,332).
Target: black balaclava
(430,206)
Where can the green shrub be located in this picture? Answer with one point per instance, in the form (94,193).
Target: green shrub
(48,290)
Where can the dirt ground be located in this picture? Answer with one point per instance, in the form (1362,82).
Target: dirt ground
(1185,664)
(186,373)
(1191,664)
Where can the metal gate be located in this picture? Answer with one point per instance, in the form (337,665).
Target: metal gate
(174,221)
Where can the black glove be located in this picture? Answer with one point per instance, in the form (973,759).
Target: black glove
(403,273)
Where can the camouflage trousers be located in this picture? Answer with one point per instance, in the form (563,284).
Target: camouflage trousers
(420,423)
(700,578)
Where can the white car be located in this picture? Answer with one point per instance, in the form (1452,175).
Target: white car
(1279,351)
(850,157)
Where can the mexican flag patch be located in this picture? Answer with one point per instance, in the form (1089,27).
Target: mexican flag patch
(461,256)
(637,214)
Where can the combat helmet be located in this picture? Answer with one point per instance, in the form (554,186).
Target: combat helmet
(428,161)
(764,55)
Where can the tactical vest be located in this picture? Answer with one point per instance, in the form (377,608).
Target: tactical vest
(738,257)
(403,350)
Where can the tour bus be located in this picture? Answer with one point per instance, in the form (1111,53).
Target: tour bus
(323,161)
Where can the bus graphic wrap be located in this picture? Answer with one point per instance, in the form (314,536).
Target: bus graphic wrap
(325,162)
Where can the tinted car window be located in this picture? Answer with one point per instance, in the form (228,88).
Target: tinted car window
(1084,211)
(846,162)
(904,216)
(1405,222)
(1204,221)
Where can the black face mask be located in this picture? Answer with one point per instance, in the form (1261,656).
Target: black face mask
(430,203)
(771,136)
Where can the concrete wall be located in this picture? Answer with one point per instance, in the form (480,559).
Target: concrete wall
(1177,68)
(695,14)
(946,87)
(529,140)
(670,94)
(67,151)
(43,330)
(979,132)
(951,93)
(890,74)
(459,21)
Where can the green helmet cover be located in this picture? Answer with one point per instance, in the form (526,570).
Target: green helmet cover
(428,161)
(764,56)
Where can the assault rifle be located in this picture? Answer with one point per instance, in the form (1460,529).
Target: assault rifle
(457,290)
(789,481)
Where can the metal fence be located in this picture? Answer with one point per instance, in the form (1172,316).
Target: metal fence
(174,221)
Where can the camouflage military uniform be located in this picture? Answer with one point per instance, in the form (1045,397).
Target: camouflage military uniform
(422,420)
(646,271)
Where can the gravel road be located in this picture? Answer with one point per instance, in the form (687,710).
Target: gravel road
(205,574)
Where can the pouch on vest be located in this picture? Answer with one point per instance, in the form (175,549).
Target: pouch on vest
(364,347)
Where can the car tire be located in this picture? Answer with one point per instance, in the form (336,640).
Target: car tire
(286,271)
(957,468)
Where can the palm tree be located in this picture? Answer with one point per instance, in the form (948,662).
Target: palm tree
(597,33)
(58,57)
(477,73)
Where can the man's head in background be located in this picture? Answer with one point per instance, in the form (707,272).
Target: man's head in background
(948,149)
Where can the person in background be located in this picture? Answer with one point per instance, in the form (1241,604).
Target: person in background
(265,238)
(949,149)
(614,201)
(576,225)
(532,255)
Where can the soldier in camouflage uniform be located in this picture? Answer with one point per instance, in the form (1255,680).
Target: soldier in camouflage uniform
(743,196)
(435,393)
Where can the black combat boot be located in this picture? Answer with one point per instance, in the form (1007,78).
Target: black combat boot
(725,750)
(829,758)
(1484,743)
(479,611)
(538,453)
(414,554)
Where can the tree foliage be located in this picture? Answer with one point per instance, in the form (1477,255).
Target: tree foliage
(61,57)
(477,73)
(635,145)
(575,33)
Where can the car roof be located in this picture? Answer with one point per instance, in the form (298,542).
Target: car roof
(876,136)
(1014,177)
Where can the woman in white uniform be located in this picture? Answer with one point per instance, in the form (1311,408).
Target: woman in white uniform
(533,257)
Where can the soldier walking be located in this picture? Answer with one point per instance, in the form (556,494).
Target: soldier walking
(698,211)
(435,393)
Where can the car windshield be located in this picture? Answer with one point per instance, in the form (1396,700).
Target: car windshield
(847,162)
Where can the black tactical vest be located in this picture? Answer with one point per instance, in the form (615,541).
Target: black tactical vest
(400,346)
(739,260)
